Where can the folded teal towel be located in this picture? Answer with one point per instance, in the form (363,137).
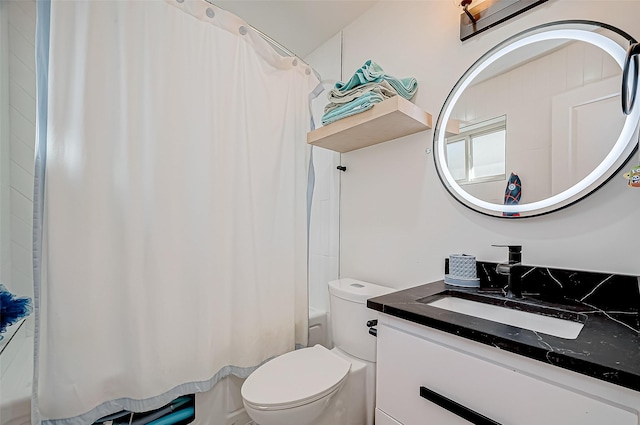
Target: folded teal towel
(368,86)
(369,72)
(372,72)
(360,104)
(406,87)
(338,98)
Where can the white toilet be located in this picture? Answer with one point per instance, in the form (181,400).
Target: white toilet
(317,386)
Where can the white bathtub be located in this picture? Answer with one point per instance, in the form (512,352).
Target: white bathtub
(17,373)
(318,331)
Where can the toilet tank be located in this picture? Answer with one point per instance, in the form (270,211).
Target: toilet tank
(349,315)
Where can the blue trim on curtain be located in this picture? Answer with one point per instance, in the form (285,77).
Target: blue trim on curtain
(311,183)
(156,402)
(43,20)
(311,178)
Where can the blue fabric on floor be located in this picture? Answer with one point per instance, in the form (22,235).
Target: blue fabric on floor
(12,309)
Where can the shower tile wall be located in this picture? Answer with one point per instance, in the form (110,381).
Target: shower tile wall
(324,231)
(19,142)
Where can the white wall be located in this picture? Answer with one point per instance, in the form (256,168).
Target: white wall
(397,221)
(19,143)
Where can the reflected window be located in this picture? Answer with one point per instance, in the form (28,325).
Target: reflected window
(456,159)
(477,153)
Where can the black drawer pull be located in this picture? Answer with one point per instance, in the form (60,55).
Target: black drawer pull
(456,408)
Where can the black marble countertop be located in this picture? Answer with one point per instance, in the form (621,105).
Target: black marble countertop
(607,348)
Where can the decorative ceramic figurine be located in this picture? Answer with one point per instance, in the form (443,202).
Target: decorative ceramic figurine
(633,176)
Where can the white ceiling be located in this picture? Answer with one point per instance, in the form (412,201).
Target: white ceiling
(299,25)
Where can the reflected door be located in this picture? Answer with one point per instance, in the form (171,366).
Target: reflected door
(586,124)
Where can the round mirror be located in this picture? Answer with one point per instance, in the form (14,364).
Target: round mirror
(536,124)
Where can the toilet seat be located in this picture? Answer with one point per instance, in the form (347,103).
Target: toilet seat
(302,376)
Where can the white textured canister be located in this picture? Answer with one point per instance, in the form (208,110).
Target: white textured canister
(462,266)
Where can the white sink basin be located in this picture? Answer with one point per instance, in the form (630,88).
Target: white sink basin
(534,322)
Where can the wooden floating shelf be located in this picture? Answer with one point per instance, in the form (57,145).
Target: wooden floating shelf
(387,120)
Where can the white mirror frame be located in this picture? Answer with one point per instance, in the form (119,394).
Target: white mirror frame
(624,147)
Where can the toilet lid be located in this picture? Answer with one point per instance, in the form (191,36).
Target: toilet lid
(295,378)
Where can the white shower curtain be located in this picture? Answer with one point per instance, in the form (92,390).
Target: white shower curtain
(174,216)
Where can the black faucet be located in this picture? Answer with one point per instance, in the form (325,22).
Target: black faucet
(512,270)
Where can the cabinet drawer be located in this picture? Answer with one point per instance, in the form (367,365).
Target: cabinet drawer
(407,362)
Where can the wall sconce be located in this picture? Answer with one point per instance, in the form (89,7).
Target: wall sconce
(479,16)
(465,6)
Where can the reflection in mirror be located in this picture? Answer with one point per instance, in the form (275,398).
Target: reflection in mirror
(477,154)
(538,95)
(544,105)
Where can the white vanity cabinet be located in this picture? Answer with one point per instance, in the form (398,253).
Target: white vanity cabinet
(505,388)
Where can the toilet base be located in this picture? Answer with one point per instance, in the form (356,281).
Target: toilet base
(359,390)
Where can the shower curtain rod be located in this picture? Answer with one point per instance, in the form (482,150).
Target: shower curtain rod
(273,42)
